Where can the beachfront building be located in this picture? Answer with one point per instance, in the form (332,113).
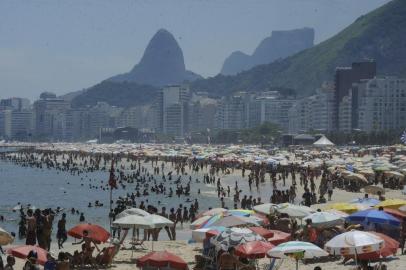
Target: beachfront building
(15,104)
(172,110)
(314,113)
(345,77)
(202,113)
(232,111)
(380,104)
(48,115)
(16,119)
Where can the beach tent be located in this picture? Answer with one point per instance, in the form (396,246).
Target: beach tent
(323,141)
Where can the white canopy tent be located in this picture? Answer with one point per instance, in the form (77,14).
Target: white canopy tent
(323,141)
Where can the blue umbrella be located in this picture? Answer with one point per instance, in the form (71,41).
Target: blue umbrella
(373,216)
(370,202)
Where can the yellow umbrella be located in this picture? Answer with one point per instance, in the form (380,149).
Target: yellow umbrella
(391,203)
(348,208)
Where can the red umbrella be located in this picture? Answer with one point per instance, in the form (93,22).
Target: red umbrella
(212,233)
(396,213)
(162,259)
(253,250)
(279,237)
(23,251)
(262,232)
(389,248)
(96,232)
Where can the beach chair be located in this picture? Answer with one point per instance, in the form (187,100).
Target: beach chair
(137,244)
(106,256)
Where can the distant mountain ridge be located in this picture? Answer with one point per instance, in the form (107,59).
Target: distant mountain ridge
(161,64)
(279,45)
(379,35)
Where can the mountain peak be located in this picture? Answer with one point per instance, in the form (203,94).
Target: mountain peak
(161,64)
(280,44)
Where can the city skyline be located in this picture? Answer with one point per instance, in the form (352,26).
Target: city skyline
(47,50)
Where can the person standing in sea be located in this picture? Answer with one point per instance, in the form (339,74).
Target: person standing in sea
(31,229)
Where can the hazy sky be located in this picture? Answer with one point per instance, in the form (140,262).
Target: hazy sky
(62,46)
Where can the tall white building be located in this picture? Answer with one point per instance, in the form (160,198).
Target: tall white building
(379,104)
(314,113)
(172,110)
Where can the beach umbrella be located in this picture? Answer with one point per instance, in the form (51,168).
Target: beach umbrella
(345,207)
(266,208)
(162,259)
(233,221)
(392,203)
(262,232)
(139,222)
(279,237)
(253,250)
(396,213)
(324,219)
(199,235)
(294,211)
(133,211)
(389,248)
(372,189)
(297,250)
(5,237)
(95,232)
(240,212)
(199,222)
(367,202)
(356,177)
(232,237)
(373,216)
(23,251)
(212,212)
(337,212)
(354,243)
(394,174)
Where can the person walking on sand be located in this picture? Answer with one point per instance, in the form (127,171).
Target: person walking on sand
(61,234)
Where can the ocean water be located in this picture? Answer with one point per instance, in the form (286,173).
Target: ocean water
(48,188)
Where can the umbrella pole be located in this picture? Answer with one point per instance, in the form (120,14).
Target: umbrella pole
(297,264)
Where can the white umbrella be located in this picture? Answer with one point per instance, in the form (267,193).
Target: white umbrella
(353,243)
(298,250)
(132,211)
(295,211)
(266,208)
(5,237)
(325,219)
(139,222)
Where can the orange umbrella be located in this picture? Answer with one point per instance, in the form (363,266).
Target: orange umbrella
(23,251)
(253,250)
(262,232)
(95,232)
(162,259)
(279,237)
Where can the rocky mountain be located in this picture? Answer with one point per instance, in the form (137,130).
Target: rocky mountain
(379,35)
(161,64)
(280,44)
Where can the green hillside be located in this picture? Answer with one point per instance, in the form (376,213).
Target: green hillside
(379,35)
(122,94)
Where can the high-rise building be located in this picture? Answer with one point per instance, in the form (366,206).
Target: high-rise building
(314,113)
(345,77)
(381,104)
(172,110)
(49,114)
(14,103)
